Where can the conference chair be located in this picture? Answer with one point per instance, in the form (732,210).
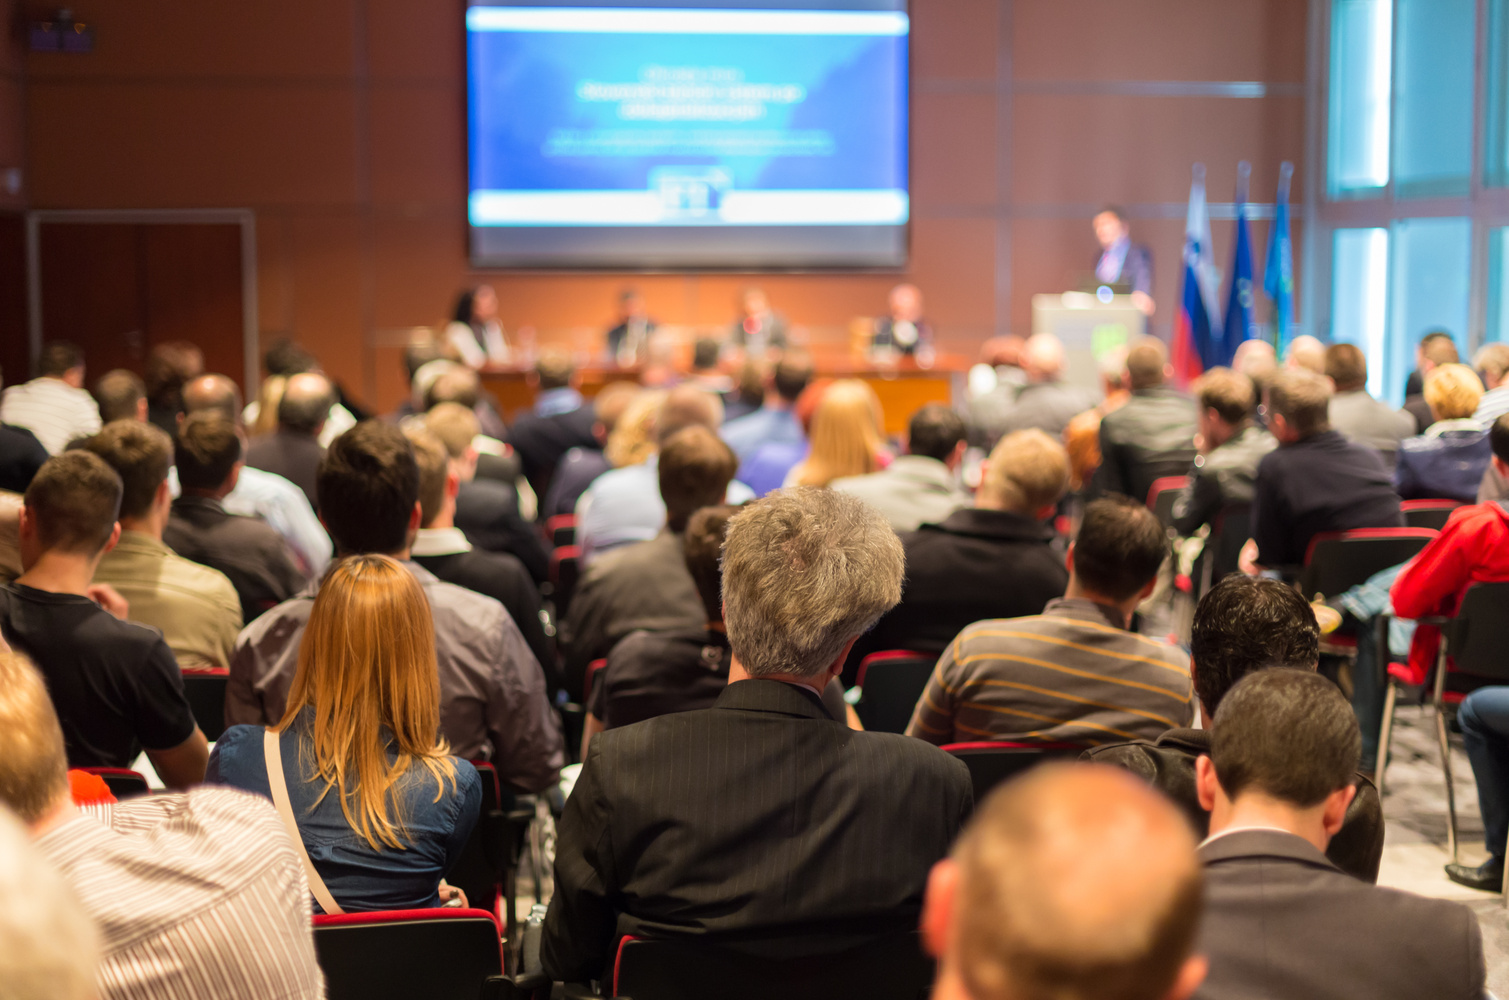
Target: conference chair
(1337,561)
(565,570)
(439,954)
(561,530)
(205,689)
(1472,643)
(1162,495)
(593,669)
(1428,513)
(122,781)
(890,683)
(991,763)
(890,967)
(486,869)
(1229,531)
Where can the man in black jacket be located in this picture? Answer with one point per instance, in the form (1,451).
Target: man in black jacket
(559,421)
(1153,435)
(763,816)
(1243,626)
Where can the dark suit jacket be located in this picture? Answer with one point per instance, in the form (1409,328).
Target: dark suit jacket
(21,455)
(541,441)
(1136,269)
(977,564)
(1149,438)
(253,556)
(1280,921)
(1168,764)
(295,457)
(758,816)
(487,512)
(1417,407)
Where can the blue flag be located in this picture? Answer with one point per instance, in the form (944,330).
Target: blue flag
(1239,324)
(1278,271)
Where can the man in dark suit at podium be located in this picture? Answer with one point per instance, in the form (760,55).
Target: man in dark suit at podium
(1123,262)
(904,329)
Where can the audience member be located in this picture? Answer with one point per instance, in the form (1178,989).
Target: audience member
(624,506)
(445,382)
(996,559)
(170,366)
(1447,461)
(1492,363)
(1484,718)
(1258,361)
(120,396)
(921,486)
(581,465)
(487,510)
(442,548)
(10,535)
(774,422)
(194,607)
(54,405)
(49,947)
(805,572)
(705,373)
(417,354)
(993,384)
(1306,353)
(283,360)
(1071,883)
(1229,447)
(1316,481)
(748,394)
(560,420)
(1153,435)
(847,438)
(294,451)
(381,809)
(1046,402)
(1242,626)
(647,585)
(254,557)
(1082,436)
(21,455)
(116,685)
(264,494)
(198,894)
(492,691)
(1355,414)
(1436,348)
(1075,673)
(1280,919)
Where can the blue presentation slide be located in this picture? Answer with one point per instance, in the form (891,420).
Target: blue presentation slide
(633,117)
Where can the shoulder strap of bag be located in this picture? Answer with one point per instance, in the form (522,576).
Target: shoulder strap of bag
(279,786)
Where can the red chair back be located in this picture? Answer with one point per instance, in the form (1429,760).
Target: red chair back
(587,678)
(205,689)
(122,781)
(561,530)
(1162,494)
(1339,560)
(439,954)
(890,683)
(991,763)
(1428,513)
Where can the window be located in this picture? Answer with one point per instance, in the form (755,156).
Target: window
(1498,284)
(1433,85)
(1496,110)
(1427,291)
(1359,295)
(1358,159)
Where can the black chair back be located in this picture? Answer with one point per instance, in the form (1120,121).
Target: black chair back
(1163,495)
(122,781)
(1477,640)
(1339,561)
(1431,514)
(565,569)
(891,683)
(205,689)
(891,967)
(1228,533)
(478,869)
(401,954)
(990,764)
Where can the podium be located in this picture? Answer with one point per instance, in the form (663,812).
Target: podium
(1087,326)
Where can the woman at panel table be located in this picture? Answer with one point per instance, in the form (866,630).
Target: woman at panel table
(382,810)
(474,331)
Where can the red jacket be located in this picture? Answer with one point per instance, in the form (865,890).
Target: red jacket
(1472,548)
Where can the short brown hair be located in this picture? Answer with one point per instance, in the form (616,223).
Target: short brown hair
(686,406)
(1226,392)
(1289,734)
(1347,366)
(703,547)
(1493,360)
(169,366)
(456,384)
(1146,361)
(1121,545)
(434,466)
(118,392)
(611,401)
(367,487)
(207,449)
(1302,398)
(1453,392)
(75,498)
(1439,348)
(1036,849)
(455,425)
(695,470)
(1028,470)
(554,370)
(141,455)
(33,761)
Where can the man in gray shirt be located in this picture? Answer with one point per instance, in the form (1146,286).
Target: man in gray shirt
(1046,402)
(493,703)
(922,486)
(1358,416)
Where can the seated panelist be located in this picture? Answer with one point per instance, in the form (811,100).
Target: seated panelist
(903,331)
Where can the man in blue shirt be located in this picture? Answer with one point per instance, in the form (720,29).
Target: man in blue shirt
(775,422)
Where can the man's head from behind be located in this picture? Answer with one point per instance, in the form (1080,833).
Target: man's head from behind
(141,455)
(687,406)
(554,370)
(806,571)
(1287,739)
(1299,404)
(703,546)
(1308,353)
(213,392)
(62,360)
(1120,547)
(169,366)
(1147,364)
(368,490)
(1492,362)
(207,452)
(791,375)
(437,479)
(71,508)
(1043,357)
(1436,348)
(121,396)
(1498,440)
(695,470)
(935,431)
(1027,474)
(1347,367)
(1075,882)
(1244,625)
(1226,403)
(306,403)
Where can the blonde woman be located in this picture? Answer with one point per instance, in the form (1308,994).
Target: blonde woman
(381,810)
(1449,459)
(846,436)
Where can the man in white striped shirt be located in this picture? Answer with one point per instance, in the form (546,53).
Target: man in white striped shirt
(54,406)
(197,896)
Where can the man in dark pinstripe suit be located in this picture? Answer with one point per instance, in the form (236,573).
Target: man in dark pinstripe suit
(763,815)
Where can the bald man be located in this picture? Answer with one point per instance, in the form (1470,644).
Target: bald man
(294,451)
(1046,402)
(1308,353)
(1075,882)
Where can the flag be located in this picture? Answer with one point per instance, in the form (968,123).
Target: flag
(1196,319)
(1239,323)
(1278,270)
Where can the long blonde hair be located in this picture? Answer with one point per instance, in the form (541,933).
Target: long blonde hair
(846,434)
(632,440)
(268,399)
(367,668)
